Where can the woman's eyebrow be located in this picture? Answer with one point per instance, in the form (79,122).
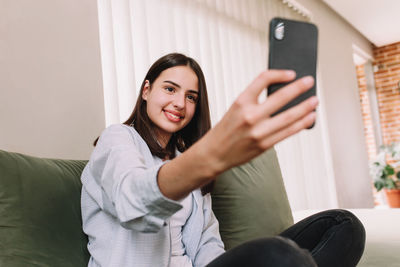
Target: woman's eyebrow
(177,85)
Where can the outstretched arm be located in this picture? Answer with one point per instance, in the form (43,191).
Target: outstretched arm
(245,131)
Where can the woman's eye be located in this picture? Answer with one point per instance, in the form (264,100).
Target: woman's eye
(192,98)
(169,89)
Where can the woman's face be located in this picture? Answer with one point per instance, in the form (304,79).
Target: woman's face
(171,100)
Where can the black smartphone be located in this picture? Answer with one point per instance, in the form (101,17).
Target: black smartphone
(293,45)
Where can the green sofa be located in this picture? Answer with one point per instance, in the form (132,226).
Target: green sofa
(40,216)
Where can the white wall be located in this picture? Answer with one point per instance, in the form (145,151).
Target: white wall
(51,97)
(342,105)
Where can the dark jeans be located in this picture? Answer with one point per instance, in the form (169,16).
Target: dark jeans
(333,238)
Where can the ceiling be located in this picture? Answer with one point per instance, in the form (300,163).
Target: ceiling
(377,20)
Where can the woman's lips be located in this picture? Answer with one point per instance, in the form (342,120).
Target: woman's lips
(172,117)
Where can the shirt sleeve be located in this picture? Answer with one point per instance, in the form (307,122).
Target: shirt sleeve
(128,188)
(211,245)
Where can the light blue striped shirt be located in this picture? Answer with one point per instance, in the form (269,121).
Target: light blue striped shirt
(126,216)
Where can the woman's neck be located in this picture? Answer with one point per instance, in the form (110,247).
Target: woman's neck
(163,138)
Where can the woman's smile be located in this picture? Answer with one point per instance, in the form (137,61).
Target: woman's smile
(173,115)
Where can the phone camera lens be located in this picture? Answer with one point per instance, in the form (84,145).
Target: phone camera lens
(280,31)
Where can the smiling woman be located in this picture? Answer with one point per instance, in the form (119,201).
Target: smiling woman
(153,203)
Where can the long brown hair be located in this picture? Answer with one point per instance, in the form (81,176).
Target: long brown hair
(185,137)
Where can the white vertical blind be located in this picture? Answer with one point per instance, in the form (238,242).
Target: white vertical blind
(108,62)
(229,39)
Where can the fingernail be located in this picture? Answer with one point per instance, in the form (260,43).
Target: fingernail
(314,100)
(312,115)
(308,80)
(290,73)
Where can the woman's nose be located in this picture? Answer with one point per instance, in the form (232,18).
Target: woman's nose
(179,101)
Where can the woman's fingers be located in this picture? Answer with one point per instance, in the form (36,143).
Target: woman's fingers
(265,79)
(270,126)
(289,130)
(281,97)
(284,95)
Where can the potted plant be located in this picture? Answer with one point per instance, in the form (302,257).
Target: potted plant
(386,175)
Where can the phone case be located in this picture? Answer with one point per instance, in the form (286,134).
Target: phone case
(293,45)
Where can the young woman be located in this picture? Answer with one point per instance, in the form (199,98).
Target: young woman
(145,196)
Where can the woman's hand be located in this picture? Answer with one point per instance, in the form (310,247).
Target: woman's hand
(248,129)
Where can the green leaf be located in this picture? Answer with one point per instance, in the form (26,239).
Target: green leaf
(378,185)
(389,170)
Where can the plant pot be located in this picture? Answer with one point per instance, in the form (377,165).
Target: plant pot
(393,197)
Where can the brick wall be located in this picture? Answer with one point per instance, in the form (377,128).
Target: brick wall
(387,76)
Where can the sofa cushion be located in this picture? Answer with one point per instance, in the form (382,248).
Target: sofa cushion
(250,201)
(40,215)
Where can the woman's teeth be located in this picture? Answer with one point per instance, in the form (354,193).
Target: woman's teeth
(174,116)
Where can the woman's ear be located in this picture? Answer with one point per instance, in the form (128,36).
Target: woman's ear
(146,89)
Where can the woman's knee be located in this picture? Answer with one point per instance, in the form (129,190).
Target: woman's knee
(356,227)
(343,244)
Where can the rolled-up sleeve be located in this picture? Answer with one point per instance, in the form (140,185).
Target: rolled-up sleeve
(128,186)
